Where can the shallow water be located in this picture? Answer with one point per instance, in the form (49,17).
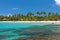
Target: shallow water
(11,31)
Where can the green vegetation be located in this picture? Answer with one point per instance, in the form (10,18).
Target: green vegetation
(40,16)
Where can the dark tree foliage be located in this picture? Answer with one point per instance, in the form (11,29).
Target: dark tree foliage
(39,16)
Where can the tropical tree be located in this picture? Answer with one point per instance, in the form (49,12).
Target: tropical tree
(14,17)
(30,15)
(38,13)
(56,15)
(20,17)
(1,17)
(44,14)
(49,14)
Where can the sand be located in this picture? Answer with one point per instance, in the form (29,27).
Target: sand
(47,22)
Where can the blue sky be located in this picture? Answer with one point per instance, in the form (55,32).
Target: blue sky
(24,6)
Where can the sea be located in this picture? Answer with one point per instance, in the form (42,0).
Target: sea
(13,31)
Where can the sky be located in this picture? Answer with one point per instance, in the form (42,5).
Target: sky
(25,6)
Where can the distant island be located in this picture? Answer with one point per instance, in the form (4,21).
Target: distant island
(40,16)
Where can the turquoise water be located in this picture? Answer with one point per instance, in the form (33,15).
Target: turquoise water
(11,31)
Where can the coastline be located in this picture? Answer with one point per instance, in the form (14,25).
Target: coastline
(52,22)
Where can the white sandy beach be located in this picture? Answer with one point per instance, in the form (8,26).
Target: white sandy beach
(47,22)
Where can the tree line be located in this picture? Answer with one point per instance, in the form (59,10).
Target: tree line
(41,16)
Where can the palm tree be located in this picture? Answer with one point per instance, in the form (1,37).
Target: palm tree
(49,14)
(30,15)
(53,15)
(44,14)
(14,17)
(38,13)
(56,15)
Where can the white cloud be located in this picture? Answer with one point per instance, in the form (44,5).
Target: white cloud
(15,8)
(57,2)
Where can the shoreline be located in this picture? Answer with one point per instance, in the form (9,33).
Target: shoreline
(52,22)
